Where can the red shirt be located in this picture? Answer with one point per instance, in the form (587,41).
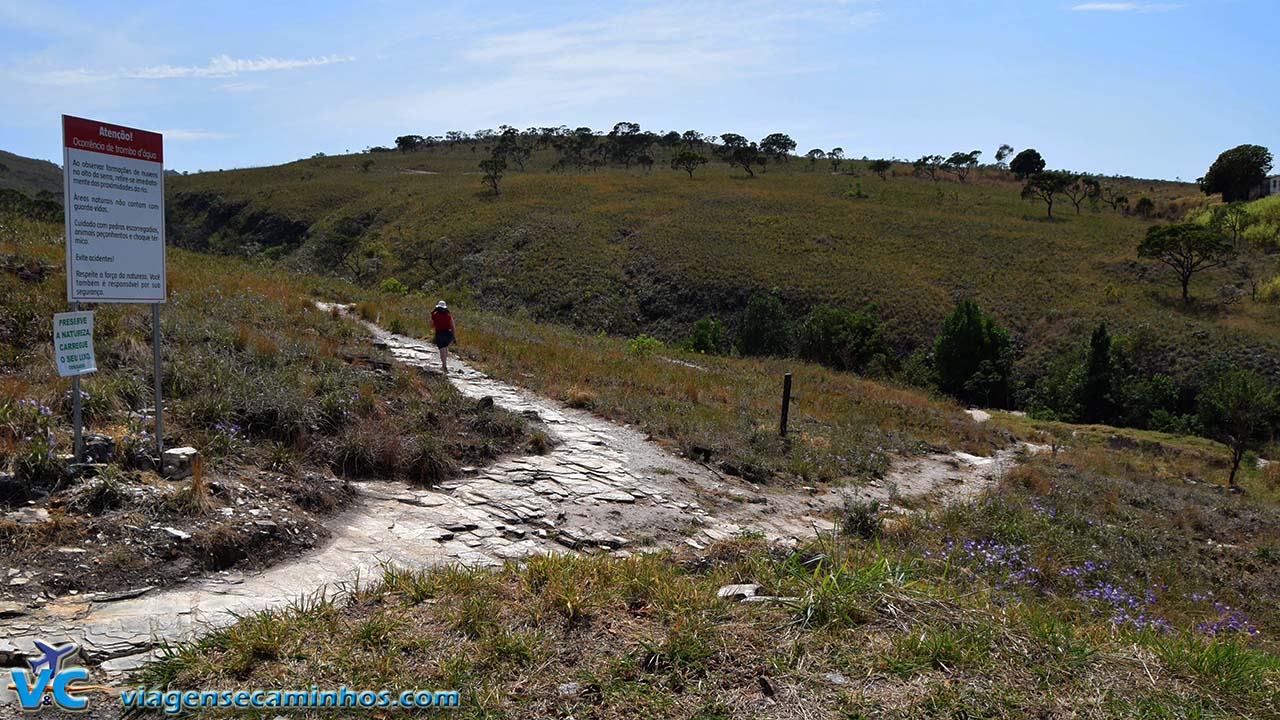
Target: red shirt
(441,320)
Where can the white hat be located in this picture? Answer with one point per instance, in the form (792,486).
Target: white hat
(442,306)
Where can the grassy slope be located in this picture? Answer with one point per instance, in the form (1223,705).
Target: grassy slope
(631,251)
(1094,584)
(29,176)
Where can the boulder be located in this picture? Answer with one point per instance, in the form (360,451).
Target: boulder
(98,448)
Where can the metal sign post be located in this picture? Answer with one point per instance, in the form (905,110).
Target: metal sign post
(75,408)
(155,350)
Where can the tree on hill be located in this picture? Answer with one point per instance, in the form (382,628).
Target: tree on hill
(691,139)
(409,143)
(1145,207)
(814,156)
(1046,186)
(738,151)
(511,149)
(1002,154)
(1114,198)
(881,167)
(777,147)
(836,156)
(1187,249)
(960,163)
(765,328)
(493,169)
(687,161)
(1082,188)
(1242,411)
(1026,163)
(1237,172)
(626,143)
(973,356)
(928,165)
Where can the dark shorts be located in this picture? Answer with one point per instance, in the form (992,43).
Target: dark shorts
(444,338)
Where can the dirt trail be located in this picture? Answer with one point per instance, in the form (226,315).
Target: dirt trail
(603,488)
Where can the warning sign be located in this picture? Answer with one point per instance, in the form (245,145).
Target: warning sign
(114,200)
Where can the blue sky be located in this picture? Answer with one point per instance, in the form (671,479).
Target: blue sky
(1153,89)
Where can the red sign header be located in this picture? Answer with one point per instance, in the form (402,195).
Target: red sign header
(94,136)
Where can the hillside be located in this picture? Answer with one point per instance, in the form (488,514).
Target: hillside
(628,251)
(28,175)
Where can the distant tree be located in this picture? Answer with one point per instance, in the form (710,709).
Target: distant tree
(493,169)
(1081,188)
(1002,154)
(765,328)
(1232,220)
(409,143)
(960,163)
(1145,207)
(626,143)
(737,151)
(1114,198)
(1046,186)
(646,162)
(691,139)
(1096,401)
(511,148)
(928,165)
(841,339)
(777,147)
(1026,163)
(1237,172)
(836,156)
(1187,249)
(1242,411)
(973,356)
(670,140)
(881,167)
(814,156)
(687,161)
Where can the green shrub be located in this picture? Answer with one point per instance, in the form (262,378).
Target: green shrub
(765,328)
(392,286)
(841,339)
(36,461)
(642,346)
(707,337)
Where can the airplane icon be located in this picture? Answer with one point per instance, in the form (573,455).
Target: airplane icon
(55,657)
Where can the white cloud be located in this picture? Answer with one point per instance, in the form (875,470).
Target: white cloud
(180,134)
(557,70)
(1125,7)
(219,66)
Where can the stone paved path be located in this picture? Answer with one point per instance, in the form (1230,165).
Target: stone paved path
(603,488)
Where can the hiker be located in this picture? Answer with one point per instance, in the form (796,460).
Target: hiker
(442,323)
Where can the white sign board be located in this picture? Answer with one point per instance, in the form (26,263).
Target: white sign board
(73,342)
(114,205)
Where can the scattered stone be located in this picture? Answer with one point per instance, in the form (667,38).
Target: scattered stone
(11,609)
(738,593)
(569,688)
(98,448)
(485,403)
(177,534)
(268,526)
(835,678)
(177,463)
(29,516)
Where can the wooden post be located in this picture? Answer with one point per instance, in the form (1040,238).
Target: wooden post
(786,403)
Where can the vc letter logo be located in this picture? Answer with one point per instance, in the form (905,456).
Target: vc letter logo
(48,683)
